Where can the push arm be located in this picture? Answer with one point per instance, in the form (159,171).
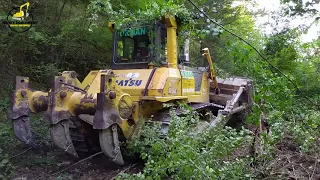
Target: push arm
(212,74)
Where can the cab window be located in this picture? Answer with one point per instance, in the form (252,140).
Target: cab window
(133,45)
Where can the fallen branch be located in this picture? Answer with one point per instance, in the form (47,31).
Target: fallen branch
(314,169)
(21,153)
(293,170)
(126,169)
(25,151)
(82,160)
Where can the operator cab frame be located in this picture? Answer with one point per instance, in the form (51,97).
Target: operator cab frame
(137,47)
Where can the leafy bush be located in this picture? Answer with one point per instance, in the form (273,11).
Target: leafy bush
(6,167)
(4,104)
(43,72)
(183,154)
(305,128)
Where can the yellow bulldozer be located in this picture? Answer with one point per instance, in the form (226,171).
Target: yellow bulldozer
(104,109)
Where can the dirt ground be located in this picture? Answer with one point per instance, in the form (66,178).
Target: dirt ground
(55,164)
(51,163)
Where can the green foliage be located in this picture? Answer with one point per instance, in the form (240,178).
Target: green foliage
(4,104)
(42,72)
(142,12)
(280,49)
(307,73)
(301,8)
(5,129)
(182,153)
(9,145)
(6,167)
(306,129)
(61,40)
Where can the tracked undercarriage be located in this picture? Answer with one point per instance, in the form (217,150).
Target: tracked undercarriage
(85,139)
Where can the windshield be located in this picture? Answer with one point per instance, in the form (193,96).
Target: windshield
(133,45)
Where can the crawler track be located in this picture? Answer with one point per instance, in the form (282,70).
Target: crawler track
(85,140)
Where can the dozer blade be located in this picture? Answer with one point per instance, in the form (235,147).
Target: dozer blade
(110,145)
(61,137)
(22,130)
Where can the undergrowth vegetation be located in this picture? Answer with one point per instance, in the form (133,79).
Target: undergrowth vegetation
(227,153)
(184,153)
(12,152)
(6,140)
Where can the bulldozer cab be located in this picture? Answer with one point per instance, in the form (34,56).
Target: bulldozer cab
(136,47)
(133,45)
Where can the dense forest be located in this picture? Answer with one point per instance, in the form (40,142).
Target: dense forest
(74,35)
